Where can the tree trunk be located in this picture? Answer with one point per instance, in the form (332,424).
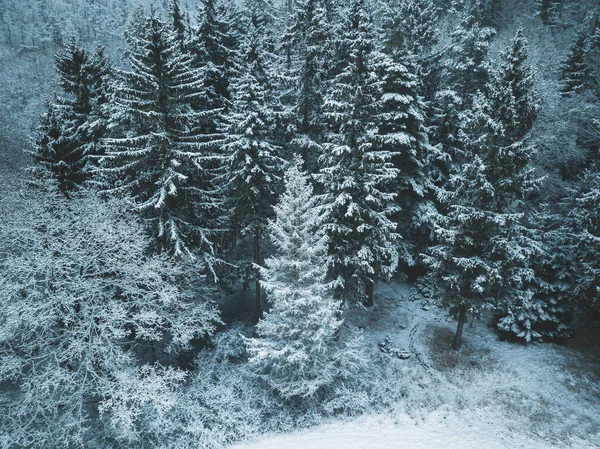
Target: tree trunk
(369,287)
(257,262)
(462,318)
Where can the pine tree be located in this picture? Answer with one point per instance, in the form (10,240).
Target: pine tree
(211,46)
(418,23)
(311,33)
(68,138)
(546,313)
(550,11)
(161,159)
(178,23)
(361,235)
(575,72)
(402,133)
(484,250)
(294,351)
(252,175)
(514,98)
(585,216)
(467,69)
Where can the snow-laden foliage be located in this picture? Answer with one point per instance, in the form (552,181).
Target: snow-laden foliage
(355,169)
(311,38)
(84,308)
(160,156)
(70,131)
(295,351)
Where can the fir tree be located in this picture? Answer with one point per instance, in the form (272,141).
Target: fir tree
(178,23)
(467,68)
(294,351)
(514,99)
(402,134)
(418,24)
(313,41)
(362,237)
(585,217)
(546,312)
(484,250)
(575,71)
(550,11)
(69,135)
(252,175)
(211,47)
(161,160)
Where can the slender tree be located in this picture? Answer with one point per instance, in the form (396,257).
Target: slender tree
(69,136)
(294,350)
(253,172)
(355,169)
(161,159)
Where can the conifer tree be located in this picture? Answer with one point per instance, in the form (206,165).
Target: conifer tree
(550,11)
(311,33)
(402,133)
(485,248)
(418,25)
(585,216)
(160,159)
(487,245)
(575,72)
(294,350)
(361,235)
(69,135)
(211,47)
(467,68)
(178,23)
(252,174)
(514,99)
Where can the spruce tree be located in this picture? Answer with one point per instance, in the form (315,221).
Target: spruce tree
(575,71)
(211,47)
(252,174)
(467,69)
(161,159)
(514,98)
(418,23)
(355,169)
(485,247)
(401,133)
(311,34)
(68,138)
(294,350)
(178,23)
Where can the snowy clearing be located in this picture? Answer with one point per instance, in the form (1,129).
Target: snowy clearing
(494,394)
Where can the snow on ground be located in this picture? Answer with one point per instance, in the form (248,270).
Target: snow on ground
(493,394)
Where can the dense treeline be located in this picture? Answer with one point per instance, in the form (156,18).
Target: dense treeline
(350,142)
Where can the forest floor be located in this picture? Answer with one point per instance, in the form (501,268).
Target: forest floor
(492,394)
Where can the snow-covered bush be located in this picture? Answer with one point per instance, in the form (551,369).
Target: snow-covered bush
(82,301)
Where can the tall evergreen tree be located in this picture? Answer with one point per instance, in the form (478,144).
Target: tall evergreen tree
(70,132)
(160,160)
(402,133)
(178,23)
(514,98)
(312,37)
(211,47)
(575,71)
(482,258)
(294,350)
(252,175)
(467,68)
(362,237)
(418,23)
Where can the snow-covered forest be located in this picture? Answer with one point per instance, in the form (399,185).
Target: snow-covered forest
(299,224)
